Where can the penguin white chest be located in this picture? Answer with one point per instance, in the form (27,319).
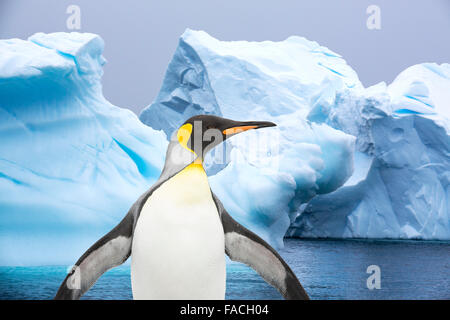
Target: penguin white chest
(178,245)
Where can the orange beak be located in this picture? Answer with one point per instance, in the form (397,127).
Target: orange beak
(242,126)
(235,130)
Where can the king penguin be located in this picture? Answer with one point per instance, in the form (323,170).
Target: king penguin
(178,232)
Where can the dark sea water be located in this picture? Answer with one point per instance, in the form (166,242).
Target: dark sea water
(327,269)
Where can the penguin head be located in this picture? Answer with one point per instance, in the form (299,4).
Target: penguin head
(201,133)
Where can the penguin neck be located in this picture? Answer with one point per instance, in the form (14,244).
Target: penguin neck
(196,165)
(195,168)
(179,159)
(189,186)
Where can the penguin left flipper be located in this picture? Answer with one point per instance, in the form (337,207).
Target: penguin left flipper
(110,251)
(244,246)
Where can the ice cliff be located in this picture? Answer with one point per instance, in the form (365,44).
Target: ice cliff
(71,164)
(344,161)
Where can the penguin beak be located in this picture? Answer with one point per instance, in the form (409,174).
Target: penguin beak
(246,125)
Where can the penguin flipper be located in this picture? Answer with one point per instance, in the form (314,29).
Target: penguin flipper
(244,246)
(110,251)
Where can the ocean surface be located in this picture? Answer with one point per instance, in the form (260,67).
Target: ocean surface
(328,269)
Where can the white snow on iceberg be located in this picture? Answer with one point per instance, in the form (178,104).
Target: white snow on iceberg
(71,164)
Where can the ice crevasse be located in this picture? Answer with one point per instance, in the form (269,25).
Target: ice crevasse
(344,160)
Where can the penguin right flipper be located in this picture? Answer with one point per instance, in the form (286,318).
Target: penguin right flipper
(110,251)
(244,246)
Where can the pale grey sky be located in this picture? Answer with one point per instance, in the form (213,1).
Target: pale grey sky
(142,35)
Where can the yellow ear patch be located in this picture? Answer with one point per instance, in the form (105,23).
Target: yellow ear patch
(183,135)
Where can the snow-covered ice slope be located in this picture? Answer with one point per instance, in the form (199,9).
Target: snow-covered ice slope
(71,164)
(392,182)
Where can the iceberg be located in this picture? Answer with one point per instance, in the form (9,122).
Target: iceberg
(267,174)
(344,162)
(71,163)
(400,188)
